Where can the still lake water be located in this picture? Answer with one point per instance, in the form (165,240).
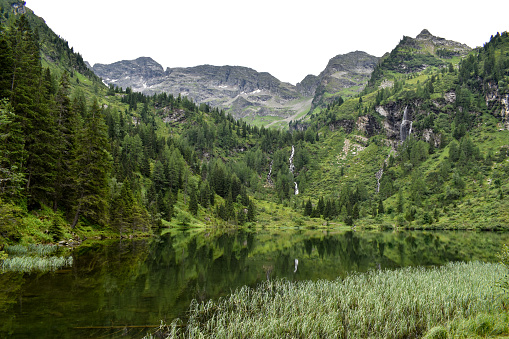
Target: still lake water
(114,287)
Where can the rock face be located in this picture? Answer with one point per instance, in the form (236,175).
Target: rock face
(345,74)
(240,90)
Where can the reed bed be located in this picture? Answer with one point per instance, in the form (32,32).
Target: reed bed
(404,303)
(26,264)
(31,250)
(30,258)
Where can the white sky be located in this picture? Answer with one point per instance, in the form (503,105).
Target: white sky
(287,38)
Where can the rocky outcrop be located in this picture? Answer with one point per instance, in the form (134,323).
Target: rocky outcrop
(493,99)
(308,85)
(19,7)
(368,125)
(428,43)
(343,75)
(345,124)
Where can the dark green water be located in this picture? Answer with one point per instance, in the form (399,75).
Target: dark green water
(141,282)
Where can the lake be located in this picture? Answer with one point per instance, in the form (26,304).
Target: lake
(116,288)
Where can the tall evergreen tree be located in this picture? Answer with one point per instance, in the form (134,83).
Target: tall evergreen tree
(30,99)
(91,167)
(66,126)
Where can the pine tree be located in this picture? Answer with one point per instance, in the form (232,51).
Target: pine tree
(91,168)
(12,154)
(6,65)
(193,201)
(380,207)
(122,209)
(27,96)
(66,126)
(308,210)
(251,211)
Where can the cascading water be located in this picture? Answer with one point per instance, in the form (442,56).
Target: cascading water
(269,176)
(292,169)
(406,126)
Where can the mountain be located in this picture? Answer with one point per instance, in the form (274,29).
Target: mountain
(241,91)
(416,54)
(345,75)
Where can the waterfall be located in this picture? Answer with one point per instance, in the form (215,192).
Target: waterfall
(378,176)
(269,176)
(292,169)
(406,126)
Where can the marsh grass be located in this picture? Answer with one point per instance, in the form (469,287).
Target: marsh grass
(26,264)
(31,249)
(30,258)
(405,303)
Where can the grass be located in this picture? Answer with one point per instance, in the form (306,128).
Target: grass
(31,249)
(26,264)
(32,258)
(458,299)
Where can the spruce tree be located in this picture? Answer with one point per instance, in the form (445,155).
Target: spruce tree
(6,65)
(91,167)
(193,201)
(66,126)
(251,211)
(380,207)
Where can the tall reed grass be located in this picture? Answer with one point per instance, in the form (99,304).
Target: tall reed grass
(29,258)
(27,264)
(31,249)
(404,303)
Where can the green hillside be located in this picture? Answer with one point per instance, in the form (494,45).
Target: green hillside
(79,159)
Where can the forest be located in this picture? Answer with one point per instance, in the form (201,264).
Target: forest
(95,158)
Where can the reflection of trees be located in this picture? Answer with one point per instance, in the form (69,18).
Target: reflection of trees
(142,282)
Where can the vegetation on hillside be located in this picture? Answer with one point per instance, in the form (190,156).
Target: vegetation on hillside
(79,157)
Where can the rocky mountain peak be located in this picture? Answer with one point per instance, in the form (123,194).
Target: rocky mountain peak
(125,73)
(343,72)
(425,34)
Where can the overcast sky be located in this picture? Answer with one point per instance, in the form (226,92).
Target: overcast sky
(287,38)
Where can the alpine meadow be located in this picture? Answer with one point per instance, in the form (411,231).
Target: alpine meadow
(368,201)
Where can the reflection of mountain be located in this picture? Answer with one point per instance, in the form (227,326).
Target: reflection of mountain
(141,282)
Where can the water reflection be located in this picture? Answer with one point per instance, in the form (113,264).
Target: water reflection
(138,283)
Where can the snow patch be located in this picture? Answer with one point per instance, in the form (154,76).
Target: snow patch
(257,91)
